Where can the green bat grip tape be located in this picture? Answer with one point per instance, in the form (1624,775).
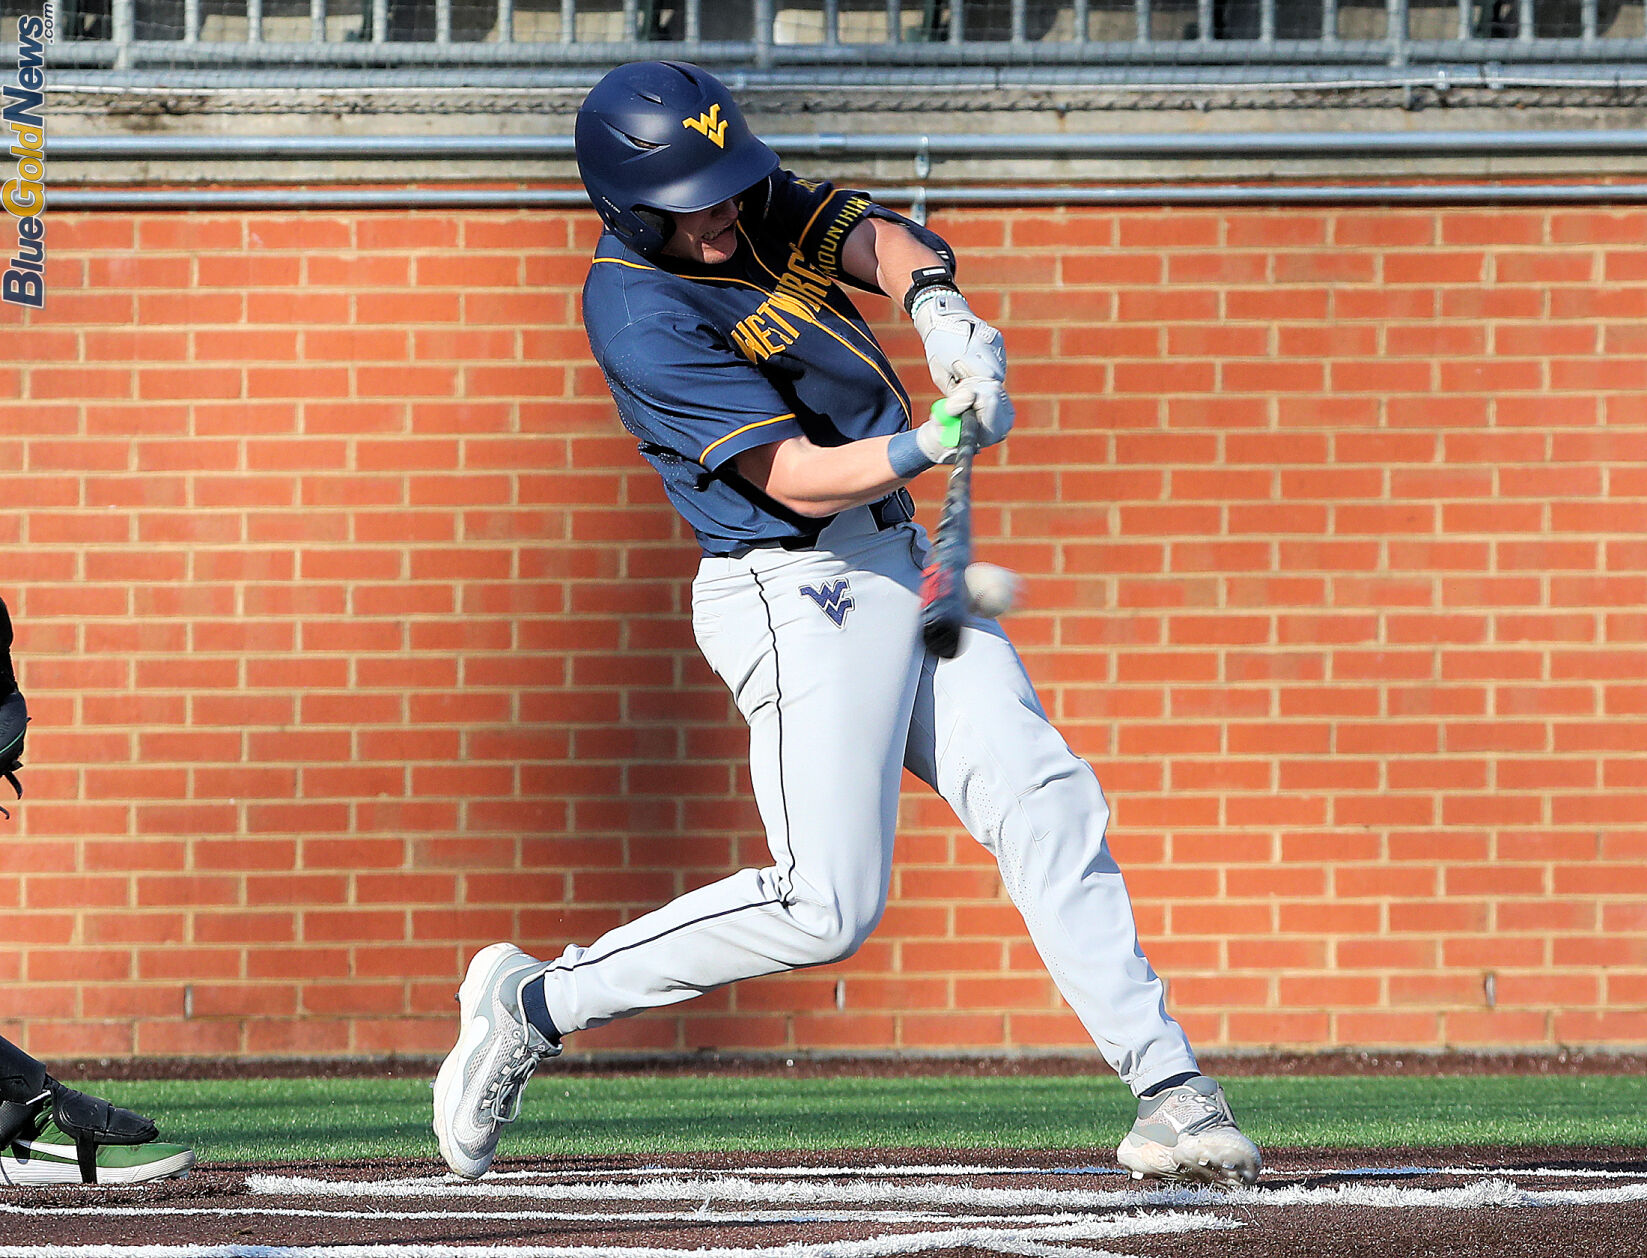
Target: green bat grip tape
(951,421)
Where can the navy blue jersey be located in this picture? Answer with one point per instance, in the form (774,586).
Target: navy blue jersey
(707,361)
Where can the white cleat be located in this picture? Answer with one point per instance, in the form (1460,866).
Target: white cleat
(479,1085)
(1187,1135)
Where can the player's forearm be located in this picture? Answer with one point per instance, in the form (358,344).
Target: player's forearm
(885,252)
(817,481)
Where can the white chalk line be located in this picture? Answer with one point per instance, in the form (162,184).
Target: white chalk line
(718,1188)
(740,1188)
(950,1171)
(146,1209)
(1000,1244)
(1549,1172)
(1028,1236)
(815,1172)
(1036,1243)
(1485,1192)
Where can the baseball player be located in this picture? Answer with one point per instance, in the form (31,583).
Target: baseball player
(49,1133)
(756,390)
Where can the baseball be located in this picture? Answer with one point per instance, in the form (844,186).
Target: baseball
(991,590)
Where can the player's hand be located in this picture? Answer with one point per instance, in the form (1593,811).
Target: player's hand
(941,434)
(958,343)
(989,399)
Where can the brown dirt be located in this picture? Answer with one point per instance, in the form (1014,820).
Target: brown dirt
(1344,1231)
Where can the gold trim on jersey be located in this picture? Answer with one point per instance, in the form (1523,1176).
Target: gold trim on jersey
(738,432)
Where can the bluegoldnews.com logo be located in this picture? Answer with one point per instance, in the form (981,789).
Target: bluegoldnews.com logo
(23,283)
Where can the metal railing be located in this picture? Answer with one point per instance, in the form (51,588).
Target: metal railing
(772,37)
(966,149)
(1584,143)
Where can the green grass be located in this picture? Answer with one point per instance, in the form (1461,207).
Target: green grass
(588,1115)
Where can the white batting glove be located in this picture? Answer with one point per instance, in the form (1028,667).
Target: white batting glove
(939,436)
(958,343)
(989,399)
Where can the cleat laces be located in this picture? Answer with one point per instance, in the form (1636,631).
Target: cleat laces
(1191,1113)
(505,1089)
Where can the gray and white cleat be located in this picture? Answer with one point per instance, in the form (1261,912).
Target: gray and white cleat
(479,1085)
(1187,1135)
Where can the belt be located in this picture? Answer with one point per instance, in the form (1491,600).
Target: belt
(894,509)
(889,512)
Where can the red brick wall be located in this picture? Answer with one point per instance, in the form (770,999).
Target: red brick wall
(356,634)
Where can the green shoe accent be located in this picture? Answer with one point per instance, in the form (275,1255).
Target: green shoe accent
(44,1154)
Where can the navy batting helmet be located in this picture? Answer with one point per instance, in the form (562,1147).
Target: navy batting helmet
(655,137)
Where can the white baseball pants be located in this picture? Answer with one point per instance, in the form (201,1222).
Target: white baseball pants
(822,651)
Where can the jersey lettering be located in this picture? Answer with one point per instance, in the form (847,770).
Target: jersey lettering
(763,334)
(829,248)
(802,283)
(768,331)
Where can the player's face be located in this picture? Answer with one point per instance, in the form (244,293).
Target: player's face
(706,235)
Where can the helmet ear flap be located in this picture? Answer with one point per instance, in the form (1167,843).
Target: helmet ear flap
(752,202)
(657,226)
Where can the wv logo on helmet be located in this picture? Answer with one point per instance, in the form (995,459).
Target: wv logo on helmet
(834,600)
(710,125)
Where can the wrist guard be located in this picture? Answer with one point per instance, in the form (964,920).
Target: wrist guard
(925,279)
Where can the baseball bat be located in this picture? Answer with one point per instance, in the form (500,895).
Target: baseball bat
(943,592)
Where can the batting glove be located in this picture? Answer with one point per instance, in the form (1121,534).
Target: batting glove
(958,343)
(938,436)
(989,399)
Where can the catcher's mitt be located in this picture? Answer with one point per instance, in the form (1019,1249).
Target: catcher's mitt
(14,712)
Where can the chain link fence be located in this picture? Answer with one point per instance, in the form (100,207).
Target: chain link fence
(1054,40)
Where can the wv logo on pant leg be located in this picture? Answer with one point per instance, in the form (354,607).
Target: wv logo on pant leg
(834,599)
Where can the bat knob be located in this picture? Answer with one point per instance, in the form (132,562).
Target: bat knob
(942,613)
(942,638)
